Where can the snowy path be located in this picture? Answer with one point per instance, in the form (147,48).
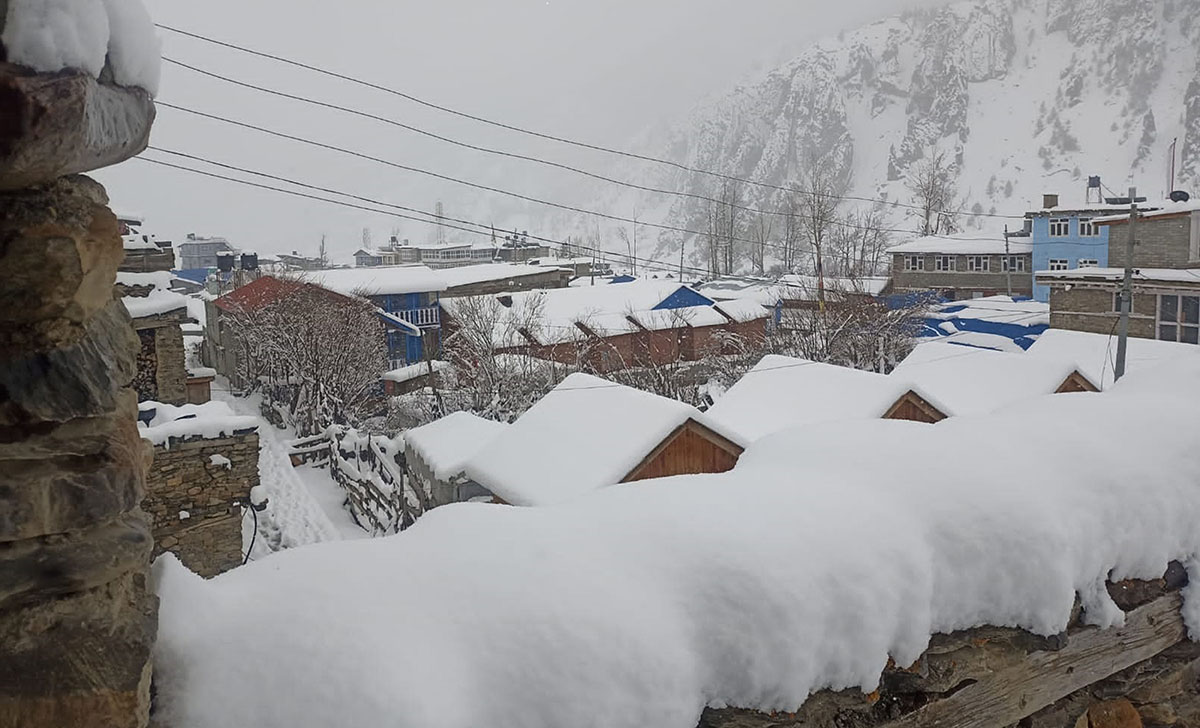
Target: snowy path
(293,517)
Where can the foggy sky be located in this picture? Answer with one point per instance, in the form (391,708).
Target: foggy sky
(602,71)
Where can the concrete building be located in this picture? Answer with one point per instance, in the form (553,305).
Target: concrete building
(1065,236)
(200,252)
(961,267)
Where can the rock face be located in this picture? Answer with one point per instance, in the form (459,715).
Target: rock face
(76,621)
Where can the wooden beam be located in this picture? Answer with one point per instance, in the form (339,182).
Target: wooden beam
(1046,677)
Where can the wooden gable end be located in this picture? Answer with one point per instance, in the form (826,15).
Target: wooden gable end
(692,449)
(1076,382)
(914,408)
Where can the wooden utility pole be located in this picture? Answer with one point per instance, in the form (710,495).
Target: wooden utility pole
(1127,288)
(1008,261)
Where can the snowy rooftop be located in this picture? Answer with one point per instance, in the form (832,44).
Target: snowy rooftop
(551,315)
(997,309)
(585,434)
(52,35)
(826,553)
(1096,354)
(415,371)
(809,286)
(965,245)
(160,280)
(1154,209)
(383,281)
(157,303)
(966,380)
(782,392)
(212,420)
(487,272)
(448,444)
(1169,275)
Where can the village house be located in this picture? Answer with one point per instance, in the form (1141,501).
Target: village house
(616,326)
(1064,234)
(963,268)
(783,392)
(1095,354)
(588,433)
(437,455)
(199,252)
(966,380)
(492,278)
(1166,280)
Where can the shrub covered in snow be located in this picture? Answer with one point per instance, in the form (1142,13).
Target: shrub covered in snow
(806,567)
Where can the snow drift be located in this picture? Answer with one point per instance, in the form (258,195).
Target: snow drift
(827,550)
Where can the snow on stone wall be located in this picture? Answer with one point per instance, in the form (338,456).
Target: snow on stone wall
(52,35)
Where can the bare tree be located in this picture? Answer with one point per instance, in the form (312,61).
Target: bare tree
(858,246)
(932,185)
(761,231)
(316,355)
(818,211)
(793,228)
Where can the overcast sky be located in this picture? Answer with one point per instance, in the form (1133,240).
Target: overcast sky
(602,71)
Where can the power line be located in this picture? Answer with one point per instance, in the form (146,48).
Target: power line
(528,132)
(540,160)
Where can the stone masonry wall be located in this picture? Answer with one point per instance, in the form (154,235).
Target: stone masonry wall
(1091,310)
(1161,243)
(77,622)
(171,372)
(195,504)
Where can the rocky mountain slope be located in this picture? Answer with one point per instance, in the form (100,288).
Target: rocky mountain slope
(1025,96)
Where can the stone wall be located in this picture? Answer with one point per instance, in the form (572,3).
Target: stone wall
(1162,242)
(994,282)
(76,620)
(1090,309)
(1144,674)
(195,503)
(162,362)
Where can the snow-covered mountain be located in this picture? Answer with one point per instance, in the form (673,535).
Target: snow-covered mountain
(1026,96)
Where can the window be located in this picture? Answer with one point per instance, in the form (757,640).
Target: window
(1060,227)
(914,262)
(1088,229)
(944,263)
(978,263)
(1013,263)
(1117,303)
(1179,319)
(1059,264)
(1089,263)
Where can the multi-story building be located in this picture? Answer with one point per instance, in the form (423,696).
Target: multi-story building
(200,252)
(1066,237)
(1166,280)
(958,267)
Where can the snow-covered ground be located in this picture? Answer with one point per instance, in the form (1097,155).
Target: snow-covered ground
(331,498)
(295,515)
(808,566)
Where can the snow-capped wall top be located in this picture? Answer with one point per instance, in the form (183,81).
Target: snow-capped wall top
(52,35)
(825,552)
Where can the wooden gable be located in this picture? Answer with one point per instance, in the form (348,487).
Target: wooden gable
(914,408)
(691,449)
(1076,382)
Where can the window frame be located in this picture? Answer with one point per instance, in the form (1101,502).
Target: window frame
(1088,229)
(979,264)
(1065,222)
(1088,263)
(914,263)
(1006,264)
(1058,264)
(1178,322)
(952,266)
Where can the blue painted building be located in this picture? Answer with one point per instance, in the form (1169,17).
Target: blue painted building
(1066,239)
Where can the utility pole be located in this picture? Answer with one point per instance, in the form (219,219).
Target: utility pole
(1127,288)
(1007,263)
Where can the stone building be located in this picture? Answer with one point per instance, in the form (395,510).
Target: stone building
(957,269)
(197,487)
(77,620)
(1166,280)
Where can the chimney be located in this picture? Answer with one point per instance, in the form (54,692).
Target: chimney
(1049,202)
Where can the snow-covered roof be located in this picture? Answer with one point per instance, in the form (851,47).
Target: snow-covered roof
(965,245)
(1166,275)
(157,303)
(810,285)
(381,281)
(743,310)
(1153,210)
(448,444)
(211,420)
(468,274)
(996,309)
(551,316)
(826,554)
(52,35)
(160,280)
(782,392)
(586,433)
(414,371)
(967,380)
(1096,354)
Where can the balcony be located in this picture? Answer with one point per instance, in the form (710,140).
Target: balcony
(426,317)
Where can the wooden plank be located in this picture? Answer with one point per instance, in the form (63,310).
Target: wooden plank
(1045,677)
